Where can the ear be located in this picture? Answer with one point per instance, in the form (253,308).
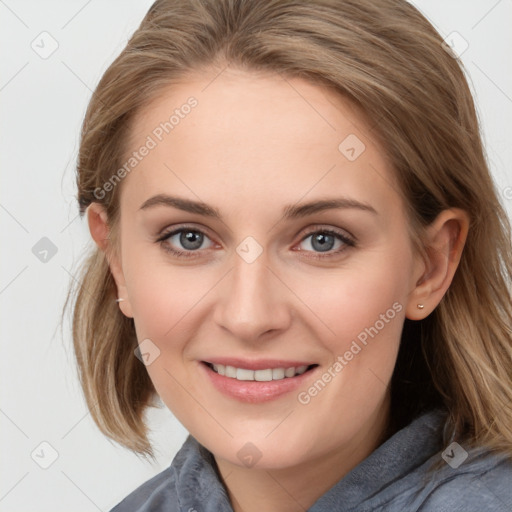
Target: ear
(446,237)
(100,231)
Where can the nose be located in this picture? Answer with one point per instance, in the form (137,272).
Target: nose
(252,301)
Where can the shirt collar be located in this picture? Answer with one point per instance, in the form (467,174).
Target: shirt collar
(199,486)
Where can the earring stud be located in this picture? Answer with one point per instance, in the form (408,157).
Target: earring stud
(119,300)
(420,306)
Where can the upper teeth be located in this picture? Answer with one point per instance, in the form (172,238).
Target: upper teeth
(259,375)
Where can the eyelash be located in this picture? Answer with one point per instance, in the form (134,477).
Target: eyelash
(348,242)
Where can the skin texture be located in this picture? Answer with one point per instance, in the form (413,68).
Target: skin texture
(253,144)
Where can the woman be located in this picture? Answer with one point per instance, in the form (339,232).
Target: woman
(300,250)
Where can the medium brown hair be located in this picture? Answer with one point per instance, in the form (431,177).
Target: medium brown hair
(388,60)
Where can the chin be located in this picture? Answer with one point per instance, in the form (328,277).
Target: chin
(258,453)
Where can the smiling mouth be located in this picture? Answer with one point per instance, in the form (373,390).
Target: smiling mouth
(264,375)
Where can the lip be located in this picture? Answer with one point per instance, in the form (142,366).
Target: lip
(260,364)
(255,391)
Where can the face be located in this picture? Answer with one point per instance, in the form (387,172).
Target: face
(254,281)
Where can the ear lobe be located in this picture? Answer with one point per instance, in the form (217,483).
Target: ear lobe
(100,230)
(446,237)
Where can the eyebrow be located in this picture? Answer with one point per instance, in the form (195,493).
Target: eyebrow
(294,211)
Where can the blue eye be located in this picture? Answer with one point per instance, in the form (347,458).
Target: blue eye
(191,239)
(324,240)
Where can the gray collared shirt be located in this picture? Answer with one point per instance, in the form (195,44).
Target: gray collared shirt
(393,478)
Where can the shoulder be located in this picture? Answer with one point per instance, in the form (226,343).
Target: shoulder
(482,482)
(187,484)
(158,493)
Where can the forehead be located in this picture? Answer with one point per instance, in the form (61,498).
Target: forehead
(252,137)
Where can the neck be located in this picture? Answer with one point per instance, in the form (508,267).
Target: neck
(297,488)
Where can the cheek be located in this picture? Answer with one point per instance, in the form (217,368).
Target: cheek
(161,294)
(350,301)
(165,303)
(154,304)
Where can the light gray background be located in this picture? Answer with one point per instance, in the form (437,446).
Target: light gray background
(43,102)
